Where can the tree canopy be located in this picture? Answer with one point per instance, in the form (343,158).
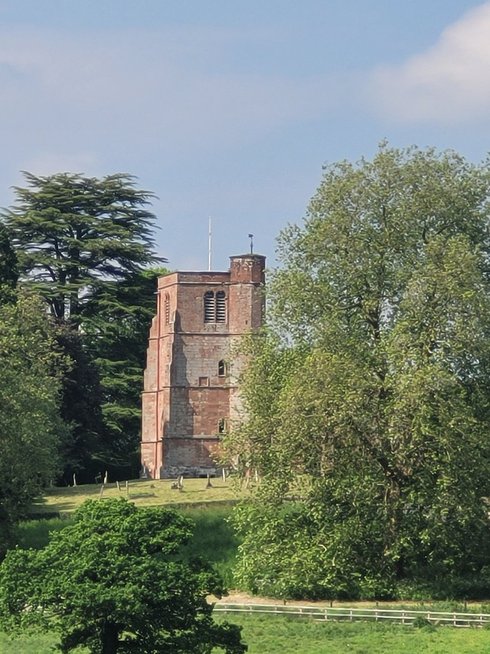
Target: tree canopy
(73,232)
(8,267)
(372,432)
(117,581)
(31,431)
(86,245)
(116,327)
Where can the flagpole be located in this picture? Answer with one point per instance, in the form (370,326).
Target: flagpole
(209,244)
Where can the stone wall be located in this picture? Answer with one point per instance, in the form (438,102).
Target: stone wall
(190,395)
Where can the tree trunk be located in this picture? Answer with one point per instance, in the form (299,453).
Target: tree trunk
(110,638)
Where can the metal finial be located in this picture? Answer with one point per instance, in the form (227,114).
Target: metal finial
(251,237)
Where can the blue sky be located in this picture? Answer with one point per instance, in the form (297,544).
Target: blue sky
(229,108)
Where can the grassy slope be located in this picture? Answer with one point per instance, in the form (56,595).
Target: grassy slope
(276,635)
(142,493)
(215,540)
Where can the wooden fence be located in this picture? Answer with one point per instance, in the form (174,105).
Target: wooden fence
(401,616)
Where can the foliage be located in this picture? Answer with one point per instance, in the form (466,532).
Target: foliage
(213,537)
(261,385)
(374,452)
(30,428)
(72,233)
(83,244)
(116,325)
(81,410)
(117,581)
(8,268)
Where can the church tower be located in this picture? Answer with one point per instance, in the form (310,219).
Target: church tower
(190,392)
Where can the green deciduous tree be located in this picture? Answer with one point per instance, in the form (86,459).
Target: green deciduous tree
(31,431)
(117,581)
(375,452)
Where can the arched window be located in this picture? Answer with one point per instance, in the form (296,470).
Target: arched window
(221,368)
(220,306)
(209,310)
(166,308)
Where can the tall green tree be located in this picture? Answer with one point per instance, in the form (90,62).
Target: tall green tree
(117,580)
(8,267)
(84,244)
(73,233)
(375,453)
(31,432)
(116,325)
(85,453)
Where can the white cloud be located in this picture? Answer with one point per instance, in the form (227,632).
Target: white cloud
(448,83)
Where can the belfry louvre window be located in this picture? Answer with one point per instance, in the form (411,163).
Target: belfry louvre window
(209,310)
(167,309)
(220,306)
(215,306)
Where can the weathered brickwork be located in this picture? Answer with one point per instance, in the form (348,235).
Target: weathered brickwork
(190,387)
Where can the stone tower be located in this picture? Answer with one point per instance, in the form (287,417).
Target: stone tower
(190,388)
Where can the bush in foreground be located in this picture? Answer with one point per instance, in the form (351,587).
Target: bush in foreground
(117,581)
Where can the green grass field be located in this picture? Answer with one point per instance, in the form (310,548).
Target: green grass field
(278,635)
(214,539)
(142,493)
(38,644)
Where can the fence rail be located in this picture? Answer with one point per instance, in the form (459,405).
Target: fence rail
(402,616)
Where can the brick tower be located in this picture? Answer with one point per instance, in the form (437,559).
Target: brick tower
(190,387)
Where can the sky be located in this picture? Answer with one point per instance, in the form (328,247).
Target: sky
(229,109)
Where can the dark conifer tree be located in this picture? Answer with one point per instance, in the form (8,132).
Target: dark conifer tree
(74,233)
(83,244)
(8,267)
